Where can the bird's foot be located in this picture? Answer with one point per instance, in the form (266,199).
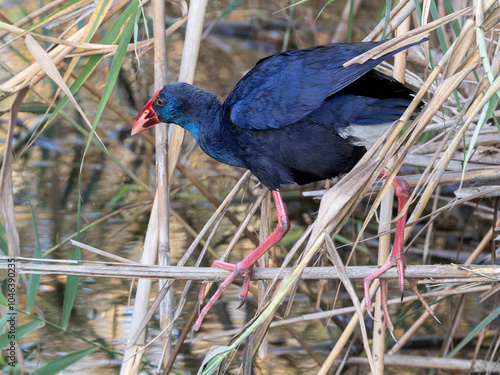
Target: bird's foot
(237,271)
(245,267)
(383,290)
(396,259)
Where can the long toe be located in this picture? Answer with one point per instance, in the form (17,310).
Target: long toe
(202,294)
(222,287)
(236,272)
(422,299)
(368,302)
(368,280)
(385,310)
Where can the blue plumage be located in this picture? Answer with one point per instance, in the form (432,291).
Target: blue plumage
(283,88)
(297,116)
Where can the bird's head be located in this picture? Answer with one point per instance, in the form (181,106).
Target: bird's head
(179,103)
(161,108)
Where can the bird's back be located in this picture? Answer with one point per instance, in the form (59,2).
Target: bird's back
(328,141)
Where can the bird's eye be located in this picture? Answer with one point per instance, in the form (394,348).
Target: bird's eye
(160,102)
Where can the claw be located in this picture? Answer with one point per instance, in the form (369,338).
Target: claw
(370,314)
(242,302)
(393,337)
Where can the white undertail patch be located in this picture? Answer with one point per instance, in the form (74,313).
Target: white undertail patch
(364,135)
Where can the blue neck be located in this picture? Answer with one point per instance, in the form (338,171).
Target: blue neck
(214,139)
(192,128)
(200,113)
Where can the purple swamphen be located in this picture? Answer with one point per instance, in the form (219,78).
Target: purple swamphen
(296,117)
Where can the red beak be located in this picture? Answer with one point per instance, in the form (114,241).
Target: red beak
(146,118)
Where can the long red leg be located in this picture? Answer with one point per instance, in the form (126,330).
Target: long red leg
(397,255)
(245,267)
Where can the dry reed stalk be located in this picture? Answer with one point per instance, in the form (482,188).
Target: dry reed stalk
(466,33)
(244,223)
(162,176)
(6,191)
(379,324)
(166,167)
(430,227)
(337,261)
(349,10)
(454,273)
(140,48)
(7,202)
(34,73)
(192,42)
(132,356)
(335,352)
(402,11)
(386,205)
(175,134)
(101,253)
(485,175)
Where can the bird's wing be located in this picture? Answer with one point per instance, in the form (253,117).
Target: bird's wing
(283,88)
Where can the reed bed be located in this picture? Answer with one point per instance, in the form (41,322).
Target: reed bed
(90,65)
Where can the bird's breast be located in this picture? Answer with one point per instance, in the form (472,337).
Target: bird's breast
(221,148)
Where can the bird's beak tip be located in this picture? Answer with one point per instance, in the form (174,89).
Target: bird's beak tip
(145,119)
